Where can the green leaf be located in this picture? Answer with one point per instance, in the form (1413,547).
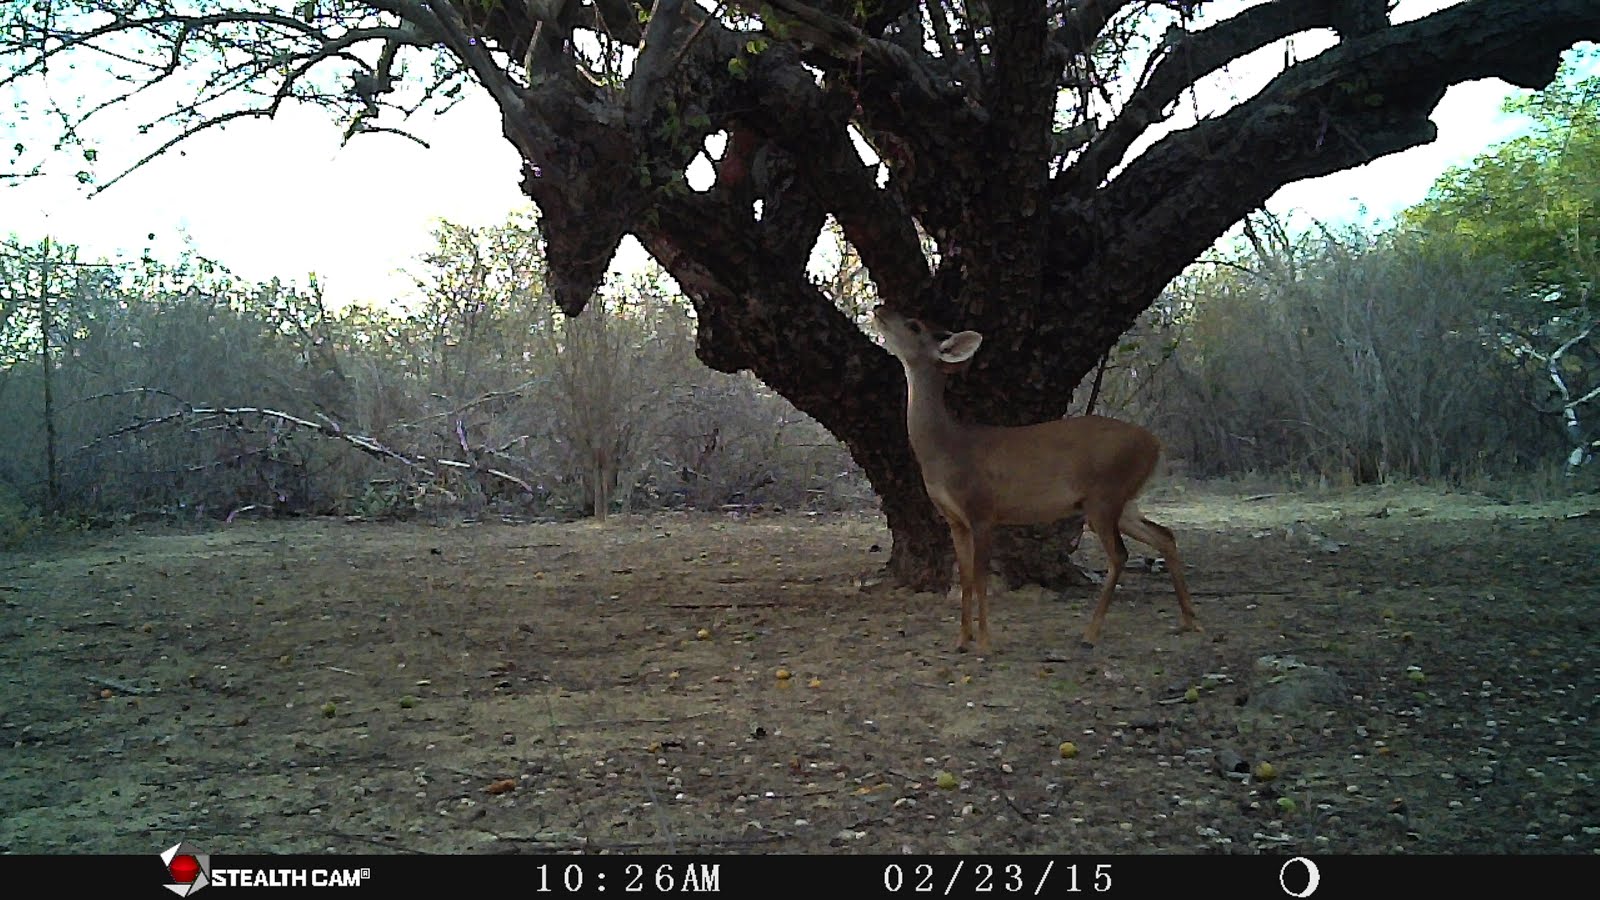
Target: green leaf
(1533,201)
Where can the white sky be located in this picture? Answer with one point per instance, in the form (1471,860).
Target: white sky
(283,198)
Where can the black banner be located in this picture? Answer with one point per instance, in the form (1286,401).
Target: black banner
(187,869)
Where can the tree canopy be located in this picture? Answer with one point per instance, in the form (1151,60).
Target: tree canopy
(1535,200)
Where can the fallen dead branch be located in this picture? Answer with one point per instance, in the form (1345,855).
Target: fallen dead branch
(430,468)
(117,684)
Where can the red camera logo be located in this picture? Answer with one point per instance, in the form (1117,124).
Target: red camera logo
(189,869)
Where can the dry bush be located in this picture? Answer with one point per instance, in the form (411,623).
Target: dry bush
(1342,359)
(734,442)
(184,392)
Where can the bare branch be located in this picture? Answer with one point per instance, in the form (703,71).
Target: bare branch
(215,122)
(655,58)
(939,21)
(188,25)
(447,22)
(846,43)
(619,21)
(1082,24)
(1184,58)
(233,54)
(327,428)
(1317,118)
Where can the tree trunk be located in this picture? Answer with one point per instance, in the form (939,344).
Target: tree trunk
(793,333)
(787,338)
(1041,554)
(52,496)
(922,557)
(602,486)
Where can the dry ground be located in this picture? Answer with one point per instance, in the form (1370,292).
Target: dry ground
(354,687)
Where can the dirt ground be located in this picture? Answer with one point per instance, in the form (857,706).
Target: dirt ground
(312,686)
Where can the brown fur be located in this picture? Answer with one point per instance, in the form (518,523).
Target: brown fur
(981,476)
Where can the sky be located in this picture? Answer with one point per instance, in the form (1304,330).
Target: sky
(284,198)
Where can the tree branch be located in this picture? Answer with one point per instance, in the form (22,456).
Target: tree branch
(811,124)
(1082,24)
(447,23)
(844,43)
(232,53)
(655,59)
(1183,61)
(1367,97)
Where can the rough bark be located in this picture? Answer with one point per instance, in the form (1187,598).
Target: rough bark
(778,325)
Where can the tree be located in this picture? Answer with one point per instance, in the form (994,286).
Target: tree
(1534,203)
(614,376)
(58,306)
(1003,133)
(479,289)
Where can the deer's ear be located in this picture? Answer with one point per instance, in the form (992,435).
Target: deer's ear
(959,347)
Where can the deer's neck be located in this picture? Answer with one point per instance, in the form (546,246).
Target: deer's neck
(930,425)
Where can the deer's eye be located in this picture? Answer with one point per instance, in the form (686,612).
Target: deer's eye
(915,326)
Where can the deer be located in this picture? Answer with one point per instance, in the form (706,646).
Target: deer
(982,476)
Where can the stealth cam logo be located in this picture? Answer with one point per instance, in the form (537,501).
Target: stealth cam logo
(190,869)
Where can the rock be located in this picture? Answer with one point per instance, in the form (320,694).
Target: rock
(1283,684)
(1230,761)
